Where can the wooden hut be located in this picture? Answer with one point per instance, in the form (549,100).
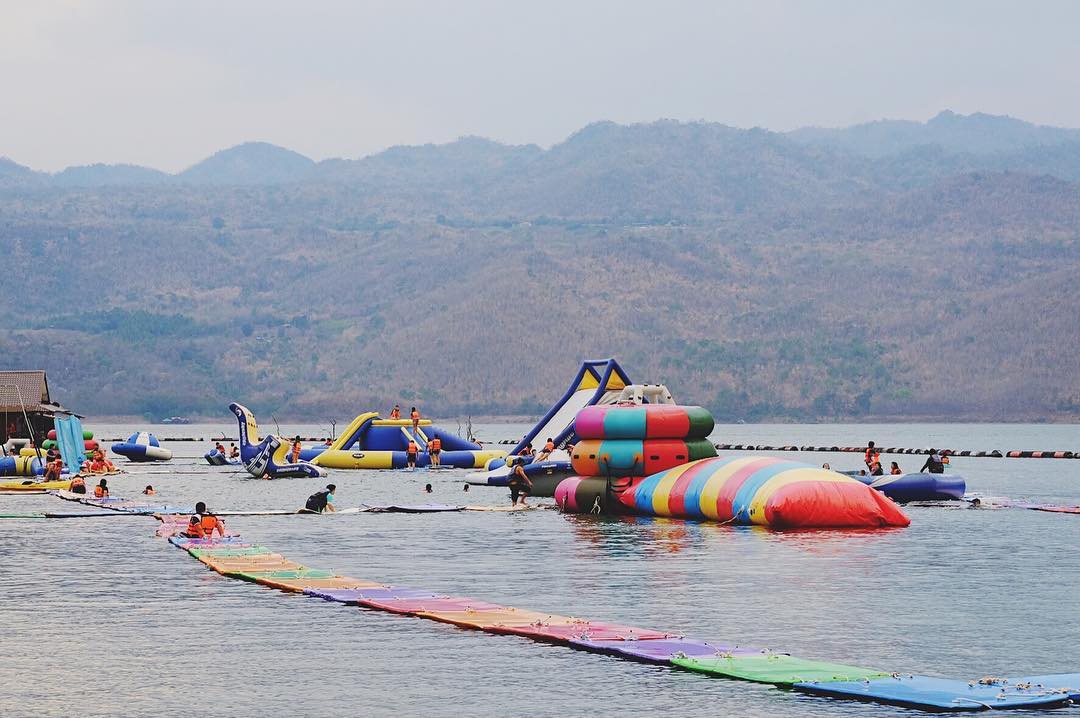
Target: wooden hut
(25,395)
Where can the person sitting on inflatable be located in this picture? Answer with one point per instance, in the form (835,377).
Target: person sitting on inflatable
(395,413)
(234,452)
(895,469)
(101,491)
(53,469)
(205,523)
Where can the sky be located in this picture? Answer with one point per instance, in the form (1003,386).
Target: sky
(165,83)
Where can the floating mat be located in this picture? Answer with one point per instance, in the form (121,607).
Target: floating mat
(600,631)
(230,552)
(299,585)
(414,508)
(255,575)
(226,542)
(495,620)
(662,650)
(8,492)
(31,485)
(429,605)
(22,516)
(1067,682)
(937,694)
(777,668)
(245,564)
(80,514)
(352,596)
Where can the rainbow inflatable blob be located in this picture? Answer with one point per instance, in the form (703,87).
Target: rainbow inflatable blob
(762,491)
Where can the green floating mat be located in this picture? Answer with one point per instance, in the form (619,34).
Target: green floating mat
(298,573)
(22,516)
(229,552)
(777,669)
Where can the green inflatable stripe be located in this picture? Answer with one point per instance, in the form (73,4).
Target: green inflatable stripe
(229,552)
(700,449)
(22,516)
(298,573)
(701,422)
(777,669)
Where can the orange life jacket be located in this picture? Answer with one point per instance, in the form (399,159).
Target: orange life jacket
(395,414)
(100,493)
(412,447)
(209,523)
(436,444)
(194,530)
(416,415)
(549,446)
(896,471)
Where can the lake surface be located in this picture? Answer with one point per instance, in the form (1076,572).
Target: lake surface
(100,618)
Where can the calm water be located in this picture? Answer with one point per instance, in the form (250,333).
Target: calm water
(100,618)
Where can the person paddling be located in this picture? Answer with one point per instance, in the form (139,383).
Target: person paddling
(321,501)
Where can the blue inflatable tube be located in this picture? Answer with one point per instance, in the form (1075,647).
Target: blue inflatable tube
(534,469)
(216,458)
(916,487)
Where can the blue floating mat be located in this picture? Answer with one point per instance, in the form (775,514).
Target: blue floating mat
(80,514)
(1067,682)
(352,596)
(935,694)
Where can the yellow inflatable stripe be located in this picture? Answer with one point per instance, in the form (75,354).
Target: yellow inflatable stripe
(660,494)
(791,476)
(281,455)
(715,485)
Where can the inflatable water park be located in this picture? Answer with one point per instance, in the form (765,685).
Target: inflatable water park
(368,442)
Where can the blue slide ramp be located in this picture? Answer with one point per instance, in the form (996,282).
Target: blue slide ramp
(598,381)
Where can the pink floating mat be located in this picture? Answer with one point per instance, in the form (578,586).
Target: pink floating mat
(419,605)
(581,630)
(662,650)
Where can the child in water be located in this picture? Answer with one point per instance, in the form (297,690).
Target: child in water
(149,490)
(427,488)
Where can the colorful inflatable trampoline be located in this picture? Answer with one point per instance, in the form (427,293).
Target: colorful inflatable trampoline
(764,491)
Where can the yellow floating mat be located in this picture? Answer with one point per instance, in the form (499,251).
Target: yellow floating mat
(299,585)
(245,564)
(495,617)
(39,486)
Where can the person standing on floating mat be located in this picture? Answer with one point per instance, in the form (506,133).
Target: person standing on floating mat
(434,451)
(410,454)
(320,501)
(519,484)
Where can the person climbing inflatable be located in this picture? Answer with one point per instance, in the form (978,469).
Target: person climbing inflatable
(321,501)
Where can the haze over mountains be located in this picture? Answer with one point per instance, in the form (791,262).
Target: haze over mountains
(892,269)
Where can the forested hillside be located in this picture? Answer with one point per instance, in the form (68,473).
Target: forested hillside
(916,270)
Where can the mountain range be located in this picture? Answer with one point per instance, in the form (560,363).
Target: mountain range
(888,270)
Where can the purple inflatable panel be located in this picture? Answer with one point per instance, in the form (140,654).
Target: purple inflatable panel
(438,603)
(661,650)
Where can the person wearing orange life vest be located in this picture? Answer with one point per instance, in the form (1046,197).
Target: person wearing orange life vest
(895,469)
(395,413)
(101,491)
(415,416)
(872,455)
(549,446)
(294,457)
(208,523)
(194,528)
(435,451)
(410,454)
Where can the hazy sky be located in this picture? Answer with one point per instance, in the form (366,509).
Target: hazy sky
(165,83)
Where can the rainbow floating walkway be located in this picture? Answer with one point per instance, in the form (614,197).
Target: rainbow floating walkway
(236,558)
